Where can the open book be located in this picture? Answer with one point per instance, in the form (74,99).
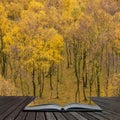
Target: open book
(68,107)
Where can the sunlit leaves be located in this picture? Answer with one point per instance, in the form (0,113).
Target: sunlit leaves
(35,33)
(6,87)
(40,45)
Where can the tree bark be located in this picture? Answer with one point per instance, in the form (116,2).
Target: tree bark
(33,81)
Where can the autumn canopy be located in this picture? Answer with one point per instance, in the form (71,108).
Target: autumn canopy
(50,46)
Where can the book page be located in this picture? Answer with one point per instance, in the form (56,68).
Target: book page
(78,106)
(42,107)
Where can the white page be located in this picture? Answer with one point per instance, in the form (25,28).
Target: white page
(82,106)
(44,107)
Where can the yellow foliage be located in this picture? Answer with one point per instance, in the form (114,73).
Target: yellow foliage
(31,36)
(2,11)
(36,6)
(7,88)
(39,45)
(115,85)
(14,10)
(68,6)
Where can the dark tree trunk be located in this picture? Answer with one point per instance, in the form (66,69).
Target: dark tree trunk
(3,58)
(57,84)
(41,83)
(83,75)
(67,51)
(33,81)
(98,81)
(22,87)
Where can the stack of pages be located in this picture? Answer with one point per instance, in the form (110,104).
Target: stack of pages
(68,107)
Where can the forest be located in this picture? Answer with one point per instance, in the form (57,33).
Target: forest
(60,50)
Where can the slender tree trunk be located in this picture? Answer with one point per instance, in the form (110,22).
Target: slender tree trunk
(51,87)
(91,80)
(67,51)
(50,74)
(98,81)
(3,58)
(43,79)
(57,84)
(118,63)
(77,73)
(15,78)
(107,70)
(33,81)
(77,62)
(70,55)
(28,91)
(22,87)
(83,75)
(84,91)
(113,60)
(11,71)
(41,82)
(90,93)
(4,62)
(61,72)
